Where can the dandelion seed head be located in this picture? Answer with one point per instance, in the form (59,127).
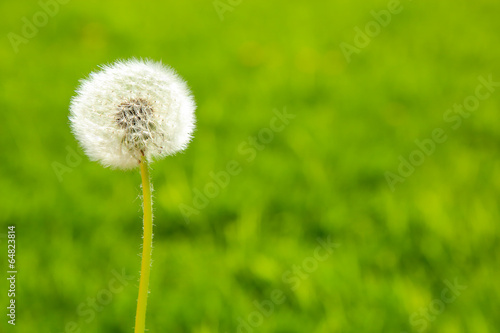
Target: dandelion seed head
(132,108)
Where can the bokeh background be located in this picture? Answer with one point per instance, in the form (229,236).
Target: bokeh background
(323,176)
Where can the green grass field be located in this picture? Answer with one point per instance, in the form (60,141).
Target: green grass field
(250,258)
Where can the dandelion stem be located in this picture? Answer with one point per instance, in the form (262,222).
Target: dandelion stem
(140,317)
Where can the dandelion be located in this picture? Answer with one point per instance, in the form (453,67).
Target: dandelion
(127,115)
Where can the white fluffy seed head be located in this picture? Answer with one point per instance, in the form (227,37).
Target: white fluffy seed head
(132,108)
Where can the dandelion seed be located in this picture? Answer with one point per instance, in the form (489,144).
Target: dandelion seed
(132,108)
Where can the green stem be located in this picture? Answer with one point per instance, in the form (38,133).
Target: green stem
(140,317)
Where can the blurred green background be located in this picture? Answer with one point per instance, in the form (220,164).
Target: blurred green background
(323,176)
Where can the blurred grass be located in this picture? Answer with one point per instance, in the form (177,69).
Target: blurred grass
(322,176)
